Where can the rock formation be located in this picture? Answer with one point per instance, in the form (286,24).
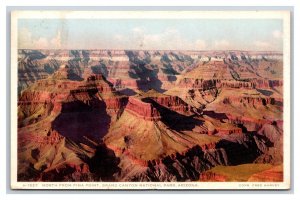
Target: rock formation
(124,115)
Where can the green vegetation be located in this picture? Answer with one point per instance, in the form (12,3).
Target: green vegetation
(240,172)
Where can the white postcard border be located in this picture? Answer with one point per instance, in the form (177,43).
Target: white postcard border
(284,15)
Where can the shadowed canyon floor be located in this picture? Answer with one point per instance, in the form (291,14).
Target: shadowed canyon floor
(120,115)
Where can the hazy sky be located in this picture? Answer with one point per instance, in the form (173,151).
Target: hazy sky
(182,34)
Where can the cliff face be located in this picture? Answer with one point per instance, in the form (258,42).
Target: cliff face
(192,163)
(66,111)
(160,70)
(174,103)
(37,103)
(186,167)
(255,101)
(198,83)
(142,109)
(32,69)
(212,83)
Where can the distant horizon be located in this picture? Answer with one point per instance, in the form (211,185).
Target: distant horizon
(106,49)
(152,34)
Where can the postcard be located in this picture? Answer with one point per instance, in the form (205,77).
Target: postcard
(134,100)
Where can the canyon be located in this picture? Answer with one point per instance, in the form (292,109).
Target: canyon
(137,115)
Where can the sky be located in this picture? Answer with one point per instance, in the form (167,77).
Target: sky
(151,34)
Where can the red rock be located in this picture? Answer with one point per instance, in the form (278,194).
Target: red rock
(174,103)
(211,177)
(141,109)
(85,168)
(124,72)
